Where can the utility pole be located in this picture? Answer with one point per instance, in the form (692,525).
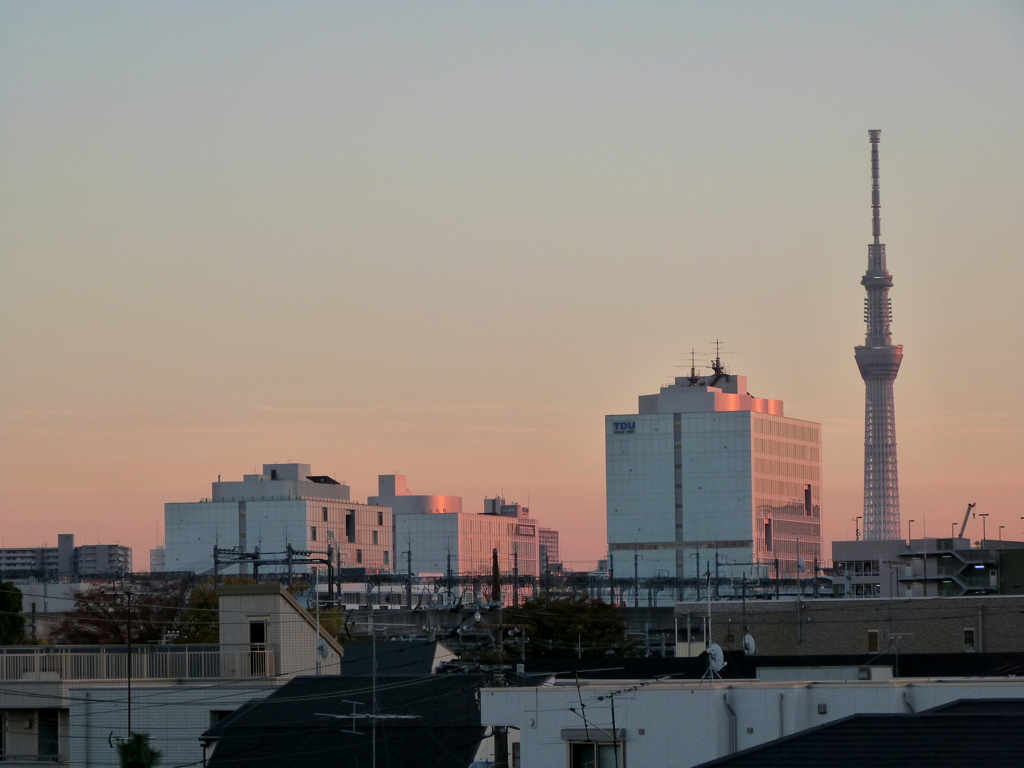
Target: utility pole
(515,577)
(128,600)
(448,577)
(611,576)
(408,583)
(636,580)
(495,577)
(718,580)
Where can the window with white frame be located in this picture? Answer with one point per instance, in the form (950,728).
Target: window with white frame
(592,754)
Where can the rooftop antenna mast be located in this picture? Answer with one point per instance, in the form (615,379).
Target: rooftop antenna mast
(693,377)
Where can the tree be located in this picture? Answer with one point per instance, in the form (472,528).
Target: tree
(135,752)
(564,627)
(103,616)
(12,622)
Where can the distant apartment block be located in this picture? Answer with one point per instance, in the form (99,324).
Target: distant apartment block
(286,505)
(65,561)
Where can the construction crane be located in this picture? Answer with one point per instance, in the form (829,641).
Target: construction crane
(967,514)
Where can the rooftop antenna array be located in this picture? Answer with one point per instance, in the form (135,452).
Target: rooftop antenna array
(693,378)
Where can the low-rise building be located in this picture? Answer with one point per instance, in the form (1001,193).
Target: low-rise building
(926,567)
(284,506)
(433,535)
(565,723)
(69,705)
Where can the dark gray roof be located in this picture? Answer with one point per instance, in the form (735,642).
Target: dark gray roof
(950,738)
(394,657)
(294,727)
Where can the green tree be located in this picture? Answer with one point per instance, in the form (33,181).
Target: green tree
(12,622)
(136,752)
(564,627)
(200,621)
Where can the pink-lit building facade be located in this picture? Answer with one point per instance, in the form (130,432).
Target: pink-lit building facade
(707,474)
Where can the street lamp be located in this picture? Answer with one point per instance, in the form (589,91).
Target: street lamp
(984,527)
(1001,532)
(908,531)
(856,527)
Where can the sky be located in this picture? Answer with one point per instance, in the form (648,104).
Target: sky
(445,239)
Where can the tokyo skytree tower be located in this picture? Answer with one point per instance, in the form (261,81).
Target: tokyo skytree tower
(879,362)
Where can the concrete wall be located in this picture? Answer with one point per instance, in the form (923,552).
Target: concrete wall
(827,626)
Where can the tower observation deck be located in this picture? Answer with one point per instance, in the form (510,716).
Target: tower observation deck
(879,362)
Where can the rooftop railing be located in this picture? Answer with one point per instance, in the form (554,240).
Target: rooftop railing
(164,662)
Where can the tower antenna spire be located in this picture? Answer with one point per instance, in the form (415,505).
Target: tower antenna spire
(876,203)
(879,362)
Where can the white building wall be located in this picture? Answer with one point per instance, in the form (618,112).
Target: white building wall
(685,725)
(192,530)
(469,539)
(689,487)
(174,716)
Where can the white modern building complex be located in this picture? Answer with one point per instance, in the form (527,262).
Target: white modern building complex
(444,540)
(708,478)
(284,506)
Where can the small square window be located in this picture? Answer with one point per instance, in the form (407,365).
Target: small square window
(380,517)
(375,537)
(386,554)
(359,555)
(325,514)
(872,641)
(969,641)
(312,533)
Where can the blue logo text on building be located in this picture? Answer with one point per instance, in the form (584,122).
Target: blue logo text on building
(623,427)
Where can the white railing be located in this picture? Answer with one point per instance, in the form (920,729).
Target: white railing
(49,663)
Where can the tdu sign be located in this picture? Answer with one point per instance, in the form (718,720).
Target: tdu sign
(624,427)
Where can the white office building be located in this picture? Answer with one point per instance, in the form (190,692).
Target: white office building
(443,539)
(285,505)
(707,477)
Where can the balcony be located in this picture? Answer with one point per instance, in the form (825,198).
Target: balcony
(164,662)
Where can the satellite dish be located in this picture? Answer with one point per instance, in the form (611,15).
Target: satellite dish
(715,657)
(748,644)
(321,648)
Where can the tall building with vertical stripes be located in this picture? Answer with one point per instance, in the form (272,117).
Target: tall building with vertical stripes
(708,478)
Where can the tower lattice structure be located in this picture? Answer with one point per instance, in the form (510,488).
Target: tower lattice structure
(879,362)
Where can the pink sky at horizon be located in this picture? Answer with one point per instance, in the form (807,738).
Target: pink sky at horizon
(446,240)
